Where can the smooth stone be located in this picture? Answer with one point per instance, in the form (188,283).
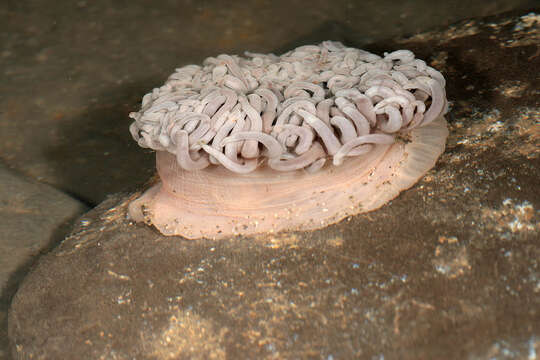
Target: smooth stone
(448,270)
(34,217)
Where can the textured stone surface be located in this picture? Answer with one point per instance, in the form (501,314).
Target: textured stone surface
(33,216)
(450,269)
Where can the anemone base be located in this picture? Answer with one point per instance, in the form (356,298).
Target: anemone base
(216,203)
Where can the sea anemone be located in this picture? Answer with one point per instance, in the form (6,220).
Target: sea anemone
(265,143)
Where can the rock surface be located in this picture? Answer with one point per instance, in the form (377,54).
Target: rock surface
(33,217)
(450,269)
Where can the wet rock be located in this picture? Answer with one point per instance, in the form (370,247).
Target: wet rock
(449,269)
(33,217)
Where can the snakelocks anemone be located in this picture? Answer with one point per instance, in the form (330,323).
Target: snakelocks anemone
(265,143)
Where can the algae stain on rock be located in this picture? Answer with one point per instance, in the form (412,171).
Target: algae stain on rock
(189,336)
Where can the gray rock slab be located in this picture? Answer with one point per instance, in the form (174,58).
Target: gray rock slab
(448,270)
(33,217)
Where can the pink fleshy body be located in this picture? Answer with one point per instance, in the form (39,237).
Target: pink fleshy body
(267,143)
(215,202)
